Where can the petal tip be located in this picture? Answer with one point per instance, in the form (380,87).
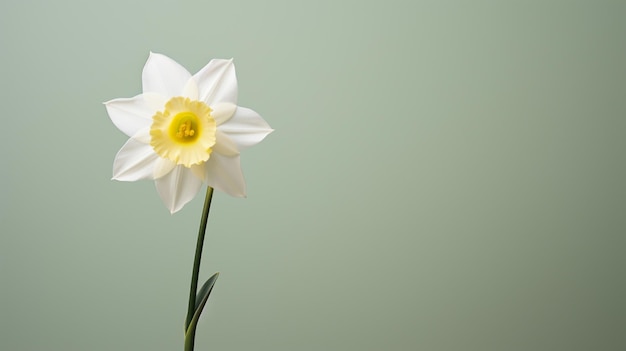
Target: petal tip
(173,210)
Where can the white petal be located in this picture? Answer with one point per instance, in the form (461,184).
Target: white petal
(178,188)
(143,135)
(162,167)
(130,115)
(191,89)
(217,82)
(155,101)
(199,171)
(164,76)
(245,128)
(224,145)
(224,173)
(134,161)
(223,111)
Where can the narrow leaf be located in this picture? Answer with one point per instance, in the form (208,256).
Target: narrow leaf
(205,290)
(201,300)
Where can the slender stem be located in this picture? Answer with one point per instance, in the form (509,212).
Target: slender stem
(196,266)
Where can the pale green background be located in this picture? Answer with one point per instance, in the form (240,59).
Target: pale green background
(443,176)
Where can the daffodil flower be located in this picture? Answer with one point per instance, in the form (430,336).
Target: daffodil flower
(185,130)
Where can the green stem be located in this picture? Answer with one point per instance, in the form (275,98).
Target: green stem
(189,339)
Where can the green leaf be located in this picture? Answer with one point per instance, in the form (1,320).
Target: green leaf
(205,290)
(201,300)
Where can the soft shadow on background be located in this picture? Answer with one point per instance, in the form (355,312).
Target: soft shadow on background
(442,177)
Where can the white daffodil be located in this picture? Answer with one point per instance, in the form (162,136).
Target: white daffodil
(185,130)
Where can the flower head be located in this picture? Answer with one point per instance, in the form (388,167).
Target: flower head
(185,130)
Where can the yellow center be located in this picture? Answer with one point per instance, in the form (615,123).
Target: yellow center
(184,132)
(183,128)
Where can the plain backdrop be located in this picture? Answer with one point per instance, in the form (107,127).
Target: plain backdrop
(443,176)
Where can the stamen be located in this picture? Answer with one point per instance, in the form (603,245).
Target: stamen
(185,130)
